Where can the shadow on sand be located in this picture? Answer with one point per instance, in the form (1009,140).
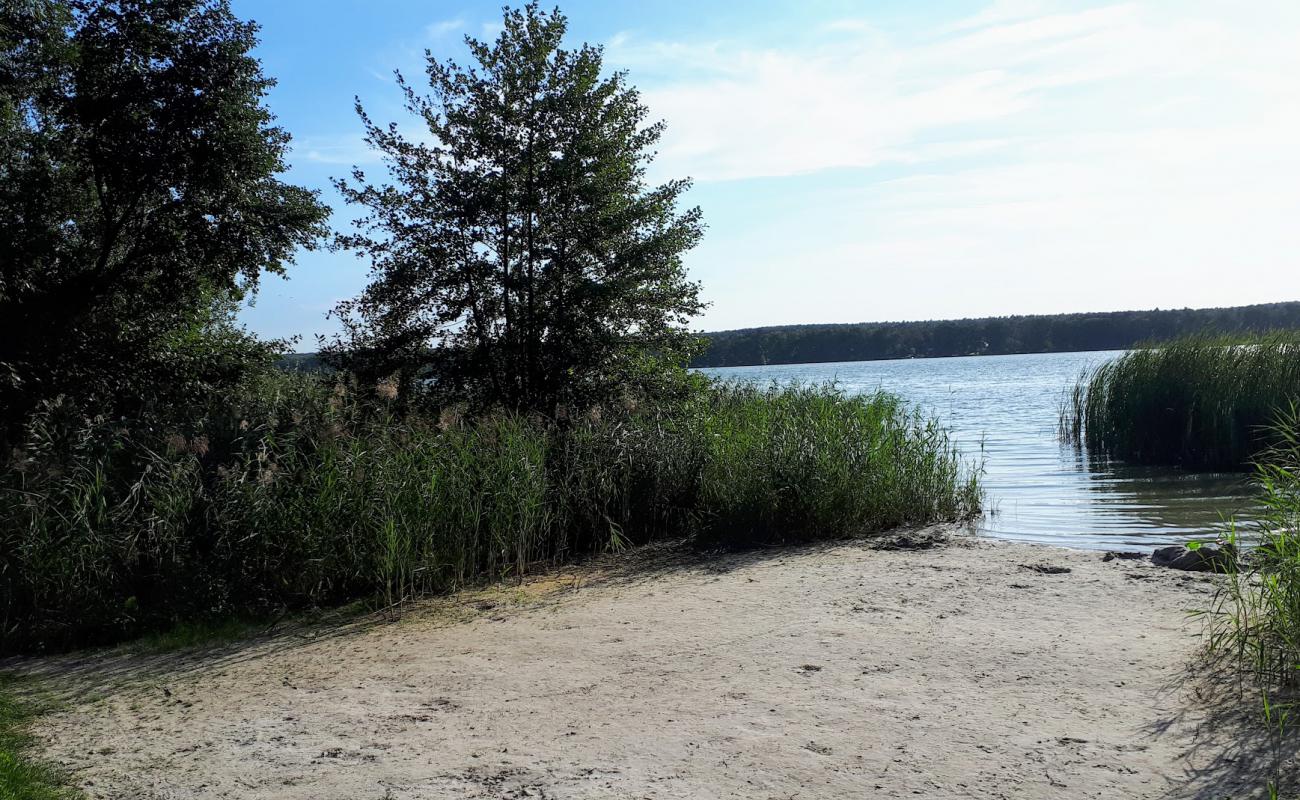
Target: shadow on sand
(1207,696)
(1234,752)
(86,676)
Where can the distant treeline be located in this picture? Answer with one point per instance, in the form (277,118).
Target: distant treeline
(1054,333)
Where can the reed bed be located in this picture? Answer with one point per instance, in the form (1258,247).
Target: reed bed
(1201,402)
(297,493)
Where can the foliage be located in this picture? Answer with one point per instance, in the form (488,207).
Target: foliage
(520,260)
(138,200)
(1258,609)
(807,462)
(1055,333)
(1203,402)
(1255,615)
(297,491)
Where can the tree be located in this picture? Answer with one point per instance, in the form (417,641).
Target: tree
(519,257)
(139,199)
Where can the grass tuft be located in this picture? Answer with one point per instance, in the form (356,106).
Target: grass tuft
(21,776)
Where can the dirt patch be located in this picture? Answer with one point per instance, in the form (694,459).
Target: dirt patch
(1047,569)
(818,672)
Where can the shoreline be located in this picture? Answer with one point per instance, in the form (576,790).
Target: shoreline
(980,668)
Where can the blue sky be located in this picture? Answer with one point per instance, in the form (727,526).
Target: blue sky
(862,161)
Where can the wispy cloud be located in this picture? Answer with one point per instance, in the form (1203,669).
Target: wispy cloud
(1032,156)
(345,150)
(438,30)
(1000,12)
(859,97)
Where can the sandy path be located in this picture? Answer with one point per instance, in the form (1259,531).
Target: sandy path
(834,671)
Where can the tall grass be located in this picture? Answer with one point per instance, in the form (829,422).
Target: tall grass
(297,493)
(1255,615)
(806,462)
(1203,402)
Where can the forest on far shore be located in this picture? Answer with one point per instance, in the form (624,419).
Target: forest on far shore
(1040,333)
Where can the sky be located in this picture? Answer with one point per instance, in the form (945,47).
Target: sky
(892,160)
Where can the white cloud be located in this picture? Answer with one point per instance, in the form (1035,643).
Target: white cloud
(999,12)
(861,97)
(346,150)
(438,30)
(1032,157)
(1024,159)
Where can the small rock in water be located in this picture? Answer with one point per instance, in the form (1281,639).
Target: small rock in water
(1206,558)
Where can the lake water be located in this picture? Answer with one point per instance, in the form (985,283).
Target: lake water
(1038,489)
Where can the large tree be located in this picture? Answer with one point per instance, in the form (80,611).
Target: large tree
(139,197)
(519,257)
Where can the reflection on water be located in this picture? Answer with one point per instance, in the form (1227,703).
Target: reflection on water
(1038,489)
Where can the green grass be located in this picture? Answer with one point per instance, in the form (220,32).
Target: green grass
(1254,618)
(297,494)
(191,634)
(1256,614)
(21,776)
(806,462)
(1201,402)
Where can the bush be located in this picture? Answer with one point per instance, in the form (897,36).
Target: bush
(1203,402)
(298,492)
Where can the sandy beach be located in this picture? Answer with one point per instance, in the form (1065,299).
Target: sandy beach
(974,669)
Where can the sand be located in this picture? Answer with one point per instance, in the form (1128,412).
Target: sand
(977,669)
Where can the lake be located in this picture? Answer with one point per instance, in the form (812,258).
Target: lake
(1039,490)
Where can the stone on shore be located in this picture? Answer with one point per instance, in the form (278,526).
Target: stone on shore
(1206,558)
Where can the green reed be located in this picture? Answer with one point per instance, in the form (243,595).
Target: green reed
(1203,402)
(299,493)
(1256,614)
(807,462)
(1254,617)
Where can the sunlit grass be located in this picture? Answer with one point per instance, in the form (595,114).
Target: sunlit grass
(299,494)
